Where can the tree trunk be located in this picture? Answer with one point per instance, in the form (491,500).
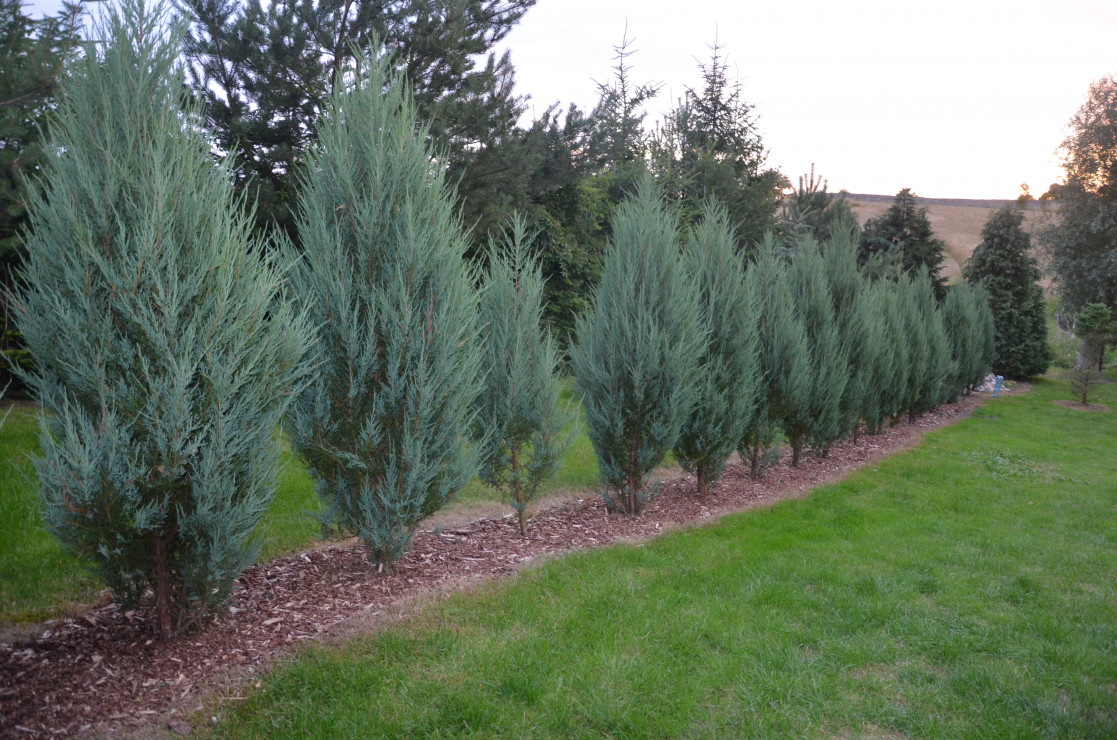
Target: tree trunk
(703,474)
(632,478)
(518,489)
(796,452)
(162,585)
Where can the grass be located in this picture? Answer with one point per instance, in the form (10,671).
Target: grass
(39,579)
(962,589)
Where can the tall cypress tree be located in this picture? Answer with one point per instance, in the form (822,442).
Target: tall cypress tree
(728,373)
(816,416)
(636,354)
(164,354)
(962,314)
(879,356)
(384,428)
(520,424)
(896,387)
(857,328)
(784,354)
(928,345)
(1003,263)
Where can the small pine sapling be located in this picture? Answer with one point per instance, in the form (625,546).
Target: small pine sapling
(1096,328)
(385,426)
(522,430)
(728,373)
(636,353)
(164,351)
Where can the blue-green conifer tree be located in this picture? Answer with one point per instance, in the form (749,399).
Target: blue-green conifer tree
(385,426)
(728,373)
(636,353)
(816,416)
(784,354)
(521,428)
(164,354)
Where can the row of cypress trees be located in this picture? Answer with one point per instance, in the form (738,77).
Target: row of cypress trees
(689,350)
(170,342)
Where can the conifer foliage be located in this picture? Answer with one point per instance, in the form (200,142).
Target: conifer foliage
(1003,263)
(164,354)
(635,355)
(520,424)
(384,427)
(728,373)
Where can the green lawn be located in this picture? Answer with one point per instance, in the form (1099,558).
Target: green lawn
(39,579)
(963,589)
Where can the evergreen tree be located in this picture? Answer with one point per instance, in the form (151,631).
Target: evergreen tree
(882,359)
(895,397)
(519,422)
(727,377)
(928,344)
(857,330)
(266,70)
(384,427)
(32,59)
(635,355)
(1003,263)
(709,148)
(618,136)
(960,322)
(164,354)
(813,211)
(903,236)
(784,354)
(816,417)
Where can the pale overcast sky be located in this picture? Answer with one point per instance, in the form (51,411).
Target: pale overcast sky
(953,98)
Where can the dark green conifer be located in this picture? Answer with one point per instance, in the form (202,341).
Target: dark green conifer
(635,355)
(385,425)
(1003,263)
(727,376)
(520,424)
(164,354)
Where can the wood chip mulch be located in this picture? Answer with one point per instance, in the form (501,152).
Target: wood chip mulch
(104,673)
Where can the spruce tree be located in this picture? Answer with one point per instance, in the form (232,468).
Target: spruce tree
(784,354)
(636,354)
(902,237)
(164,353)
(727,376)
(1003,263)
(816,417)
(520,424)
(384,427)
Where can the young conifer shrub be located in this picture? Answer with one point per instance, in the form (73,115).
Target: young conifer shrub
(816,417)
(384,427)
(850,290)
(164,352)
(895,386)
(520,425)
(636,353)
(878,355)
(728,373)
(961,317)
(784,355)
(931,358)
(985,353)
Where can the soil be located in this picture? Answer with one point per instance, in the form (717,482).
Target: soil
(103,673)
(1095,407)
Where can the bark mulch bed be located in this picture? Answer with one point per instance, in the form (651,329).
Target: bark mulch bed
(103,672)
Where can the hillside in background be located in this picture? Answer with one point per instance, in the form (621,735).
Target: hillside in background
(957,222)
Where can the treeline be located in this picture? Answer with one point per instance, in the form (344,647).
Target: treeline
(170,338)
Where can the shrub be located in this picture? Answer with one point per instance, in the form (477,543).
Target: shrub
(636,354)
(384,427)
(164,356)
(519,424)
